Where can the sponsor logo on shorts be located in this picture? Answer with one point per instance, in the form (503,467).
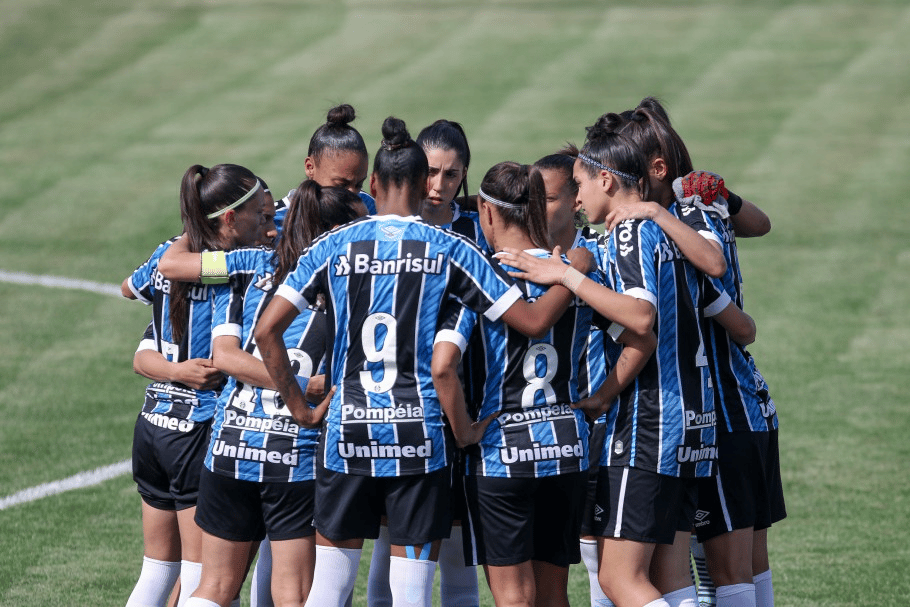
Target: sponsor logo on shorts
(537,414)
(273,425)
(381,415)
(254,454)
(365,264)
(169,423)
(694,420)
(702,518)
(598,512)
(538,452)
(688,454)
(377,451)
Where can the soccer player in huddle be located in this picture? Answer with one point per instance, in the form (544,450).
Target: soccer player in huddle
(220,210)
(384,279)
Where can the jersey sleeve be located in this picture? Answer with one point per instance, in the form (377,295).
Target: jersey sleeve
(714,296)
(304,283)
(697,219)
(479,282)
(148,340)
(142,281)
(633,271)
(227,315)
(456,324)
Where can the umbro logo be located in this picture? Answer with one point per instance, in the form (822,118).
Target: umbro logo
(265,283)
(392,232)
(701,515)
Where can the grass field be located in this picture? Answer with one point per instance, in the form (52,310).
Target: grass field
(804,108)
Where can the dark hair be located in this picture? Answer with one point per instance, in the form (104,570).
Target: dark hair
(448,135)
(563,161)
(613,150)
(400,161)
(202,192)
(336,135)
(521,185)
(648,126)
(312,211)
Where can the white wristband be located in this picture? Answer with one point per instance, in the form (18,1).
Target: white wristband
(572,279)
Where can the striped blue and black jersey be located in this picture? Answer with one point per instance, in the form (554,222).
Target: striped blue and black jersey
(665,419)
(530,384)
(467,223)
(254,436)
(386,279)
(281,208)
(168,398)
(741,396)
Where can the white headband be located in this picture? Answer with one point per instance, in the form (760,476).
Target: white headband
(236,204)
(497,202)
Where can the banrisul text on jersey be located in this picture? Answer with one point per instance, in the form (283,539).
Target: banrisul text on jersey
(385,280)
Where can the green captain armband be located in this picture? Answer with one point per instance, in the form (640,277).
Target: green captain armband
(214,268)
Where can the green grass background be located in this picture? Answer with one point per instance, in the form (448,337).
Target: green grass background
(804,108)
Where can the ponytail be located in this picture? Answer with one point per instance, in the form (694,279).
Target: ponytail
(205,194)
(313,210)
(519,195)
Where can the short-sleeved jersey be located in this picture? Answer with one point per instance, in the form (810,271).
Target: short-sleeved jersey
(164,400)
(741,396)
(467,223)
(531,384)
(386,279)
(254,436)
(665,419)
(281,208)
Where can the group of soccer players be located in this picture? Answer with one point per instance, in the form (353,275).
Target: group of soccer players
(468,380)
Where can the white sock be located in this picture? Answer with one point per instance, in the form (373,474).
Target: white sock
(190,574)
(195,601)
(661,602)
(699,569)
(334,576)
(764,589)
(261,587)
(411,581)
(684,597)
(736,595)
(589,558)
(156,580)
(457,583)
(378,592)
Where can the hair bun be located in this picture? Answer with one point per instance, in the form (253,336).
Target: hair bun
(395,134)
(607,124)
(340,115)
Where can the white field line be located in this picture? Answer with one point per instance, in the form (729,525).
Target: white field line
(77,481)
(82,479)
(60,282)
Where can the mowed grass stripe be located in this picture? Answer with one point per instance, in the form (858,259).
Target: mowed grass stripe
(68,396)
(842,259)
